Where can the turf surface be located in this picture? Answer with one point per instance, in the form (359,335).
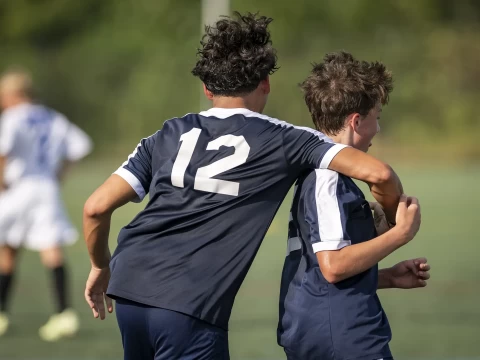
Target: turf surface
(439,322)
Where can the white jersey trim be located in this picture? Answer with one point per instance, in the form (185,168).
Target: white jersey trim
(131,178)
(330,245)
(328,211)
(125,163)
(221,113)
(330,154)
(133,181)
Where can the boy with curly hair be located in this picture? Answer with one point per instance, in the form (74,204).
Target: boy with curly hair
(216,180)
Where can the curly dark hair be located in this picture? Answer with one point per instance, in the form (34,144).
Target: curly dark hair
(236,54)
(342,85)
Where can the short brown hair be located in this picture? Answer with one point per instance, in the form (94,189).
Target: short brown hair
(342,85)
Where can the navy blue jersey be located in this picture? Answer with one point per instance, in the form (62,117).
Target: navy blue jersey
(320,320)
(216,180)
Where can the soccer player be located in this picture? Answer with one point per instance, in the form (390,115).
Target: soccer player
(216,180)
(329,308)
(36,143)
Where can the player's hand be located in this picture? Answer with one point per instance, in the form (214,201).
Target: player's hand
(408,218)
(379,218)
(410,274)
(95,292)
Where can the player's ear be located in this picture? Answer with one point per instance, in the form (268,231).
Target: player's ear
(354,121)
(207,93)
(265,85)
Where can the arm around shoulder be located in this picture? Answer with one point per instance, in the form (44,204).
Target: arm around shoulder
(384,183)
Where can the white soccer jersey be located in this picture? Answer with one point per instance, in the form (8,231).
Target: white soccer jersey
(36,140)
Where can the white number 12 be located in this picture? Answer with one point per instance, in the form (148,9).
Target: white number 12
(203,178)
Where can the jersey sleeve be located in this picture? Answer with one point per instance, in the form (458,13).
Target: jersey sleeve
(324,213)
(77,143)
(8,131)
(137,170)
(306,148)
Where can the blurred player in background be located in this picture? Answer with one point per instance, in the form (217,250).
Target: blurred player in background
(36,146)
(329,308)
(216,180)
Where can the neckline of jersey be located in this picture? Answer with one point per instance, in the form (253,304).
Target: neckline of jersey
(223,113)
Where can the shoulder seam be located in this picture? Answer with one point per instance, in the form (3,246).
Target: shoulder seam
(126,162)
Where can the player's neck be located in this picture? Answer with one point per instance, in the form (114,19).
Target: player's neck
(344,137)
(16,101)
(246,102)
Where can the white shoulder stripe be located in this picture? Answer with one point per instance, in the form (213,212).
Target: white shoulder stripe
(132,181)
(328,212)
(222,113)
(330,154)
(136,149)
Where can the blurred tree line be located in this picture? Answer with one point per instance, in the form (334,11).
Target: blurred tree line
(121,68)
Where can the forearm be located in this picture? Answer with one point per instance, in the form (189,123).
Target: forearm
(96,230)
(97,214)
(388,194)
(384,183)
(351,260)
(384,279)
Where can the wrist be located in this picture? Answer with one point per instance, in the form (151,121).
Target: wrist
(386,279)
(96,268)
(391,279)
(102,264)
(400,237)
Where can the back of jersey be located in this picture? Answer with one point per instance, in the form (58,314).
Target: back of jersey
(216,180)
(36,140)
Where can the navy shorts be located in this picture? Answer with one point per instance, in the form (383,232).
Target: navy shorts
(150,333)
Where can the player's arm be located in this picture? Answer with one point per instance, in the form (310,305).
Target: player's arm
(408,274)
(129,183)
(308,149)
(384,183)
(338,260)
(97,214)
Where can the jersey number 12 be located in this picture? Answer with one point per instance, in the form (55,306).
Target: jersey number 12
(203,178)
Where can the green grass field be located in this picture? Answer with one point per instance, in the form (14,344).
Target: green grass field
(441,321)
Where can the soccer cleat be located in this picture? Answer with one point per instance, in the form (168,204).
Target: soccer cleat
(61,325)
(4,323)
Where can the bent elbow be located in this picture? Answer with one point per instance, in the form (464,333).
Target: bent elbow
(383,175)
(331,274)
(331,278)
(328,262)
(94,208)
